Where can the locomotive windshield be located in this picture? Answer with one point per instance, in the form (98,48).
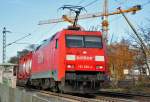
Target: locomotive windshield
(84,41)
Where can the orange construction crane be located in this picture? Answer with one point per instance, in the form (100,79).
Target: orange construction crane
(104,15)
(105,23)
(133,9)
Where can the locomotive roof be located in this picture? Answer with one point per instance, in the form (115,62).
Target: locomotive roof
(45,41)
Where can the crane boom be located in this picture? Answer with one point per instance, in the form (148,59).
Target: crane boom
(133,9)
(65,18)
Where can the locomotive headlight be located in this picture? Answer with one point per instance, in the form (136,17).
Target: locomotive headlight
(99,67)
(70,66)
(99,58)
(70,57)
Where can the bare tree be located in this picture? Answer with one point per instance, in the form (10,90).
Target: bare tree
(144,34)
(13,59)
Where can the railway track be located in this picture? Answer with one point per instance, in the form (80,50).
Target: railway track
(124,94)
(103,96)
(139,97)
(83,98)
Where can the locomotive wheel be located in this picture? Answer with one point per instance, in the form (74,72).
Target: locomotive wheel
(61,85)
(54,86)
(55,89)
(39,86)
(28,84)
(45,83)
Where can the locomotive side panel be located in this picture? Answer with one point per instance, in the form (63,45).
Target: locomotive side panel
(61,56)
(40,68)
(54,58)
(46,60)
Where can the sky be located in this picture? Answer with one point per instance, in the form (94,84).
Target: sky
(21,17)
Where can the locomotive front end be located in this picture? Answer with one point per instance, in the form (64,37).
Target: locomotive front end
(85,62)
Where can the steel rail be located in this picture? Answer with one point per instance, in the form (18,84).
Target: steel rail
(124,94)
(103,96)
(85,99)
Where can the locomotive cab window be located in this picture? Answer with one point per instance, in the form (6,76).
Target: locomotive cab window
(93,42)
(83,41)
(74,41)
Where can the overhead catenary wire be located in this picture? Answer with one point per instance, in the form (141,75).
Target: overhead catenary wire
(121,2)
(142,5)
(25,43)
(146,3)
(18,40)
(42,35)
(29,34)
(89,4)
(80,2)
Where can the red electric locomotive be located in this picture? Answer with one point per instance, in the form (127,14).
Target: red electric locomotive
(70,61)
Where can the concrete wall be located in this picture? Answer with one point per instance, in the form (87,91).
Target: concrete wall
(1,75)
(8,94)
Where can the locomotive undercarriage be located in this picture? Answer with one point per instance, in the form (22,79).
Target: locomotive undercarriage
(83,82)
(44,84)
(74,82)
